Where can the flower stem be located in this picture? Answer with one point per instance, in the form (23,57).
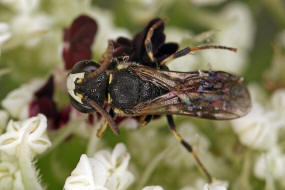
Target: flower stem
(28,171)
(93,139)
(150,168)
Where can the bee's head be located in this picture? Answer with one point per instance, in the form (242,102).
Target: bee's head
(79,86)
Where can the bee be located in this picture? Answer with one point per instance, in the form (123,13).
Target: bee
(135,89)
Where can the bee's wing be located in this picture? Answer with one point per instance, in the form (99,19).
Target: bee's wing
(205,94)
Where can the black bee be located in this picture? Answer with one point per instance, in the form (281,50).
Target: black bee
(134,89)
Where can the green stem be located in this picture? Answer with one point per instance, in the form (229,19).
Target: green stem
(27,169)
(269,181)
(150,168)
(93,140)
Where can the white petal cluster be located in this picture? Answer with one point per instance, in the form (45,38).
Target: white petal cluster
(30,133)
(23,6)
(271,164)
(278,104)
(257,129)
(216,185)
(178,156)
(5,33)
(29,28)
(185,63)
(10,176)
(26,27)
(237,18)
(18,146)
(17,101)
(104,171)
(152,188)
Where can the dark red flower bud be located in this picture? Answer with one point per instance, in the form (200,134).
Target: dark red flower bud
(78,39)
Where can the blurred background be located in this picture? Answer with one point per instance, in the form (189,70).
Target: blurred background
(248,153)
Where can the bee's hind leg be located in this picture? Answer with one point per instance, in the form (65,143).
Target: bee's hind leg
(187,146)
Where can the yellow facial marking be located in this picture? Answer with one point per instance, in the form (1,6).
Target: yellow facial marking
(116,110)
(110,78)
(121,67)
(79,95)
(80,80)
(109,98)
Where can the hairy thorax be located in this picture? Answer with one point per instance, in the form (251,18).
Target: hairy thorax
(127,90)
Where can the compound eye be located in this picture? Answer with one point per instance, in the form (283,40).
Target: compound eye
(86,66)
(74,79)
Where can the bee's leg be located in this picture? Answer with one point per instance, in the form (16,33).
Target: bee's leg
(145,119)
(108,56)
(188,50)
(102,130)
(105,114)
(147,41)
(187,146)
(105,125)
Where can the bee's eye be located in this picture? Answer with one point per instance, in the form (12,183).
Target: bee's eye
(79,86)
(86,66)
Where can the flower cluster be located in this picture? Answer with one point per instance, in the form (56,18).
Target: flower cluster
(18,147)
(41,41)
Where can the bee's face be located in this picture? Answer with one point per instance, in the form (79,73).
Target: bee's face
(79,86)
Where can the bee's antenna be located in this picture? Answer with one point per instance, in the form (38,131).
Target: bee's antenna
(108,55)
(108,118)
(211,47)
(188,50)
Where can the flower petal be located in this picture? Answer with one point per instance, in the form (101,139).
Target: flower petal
(216,185)
(78,39)
(152,188)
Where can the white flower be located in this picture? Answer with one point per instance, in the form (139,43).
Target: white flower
(88,175)
(238,19)
(152,188)
(178,156)
(216,185)
(278,104)
(258,129)
(29,28)
(200,184)
(5,33)
(24,6)
(185,63)
(17,101)
(143,10)
(105,170)
(10,176)
(271,163)
(29,133)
